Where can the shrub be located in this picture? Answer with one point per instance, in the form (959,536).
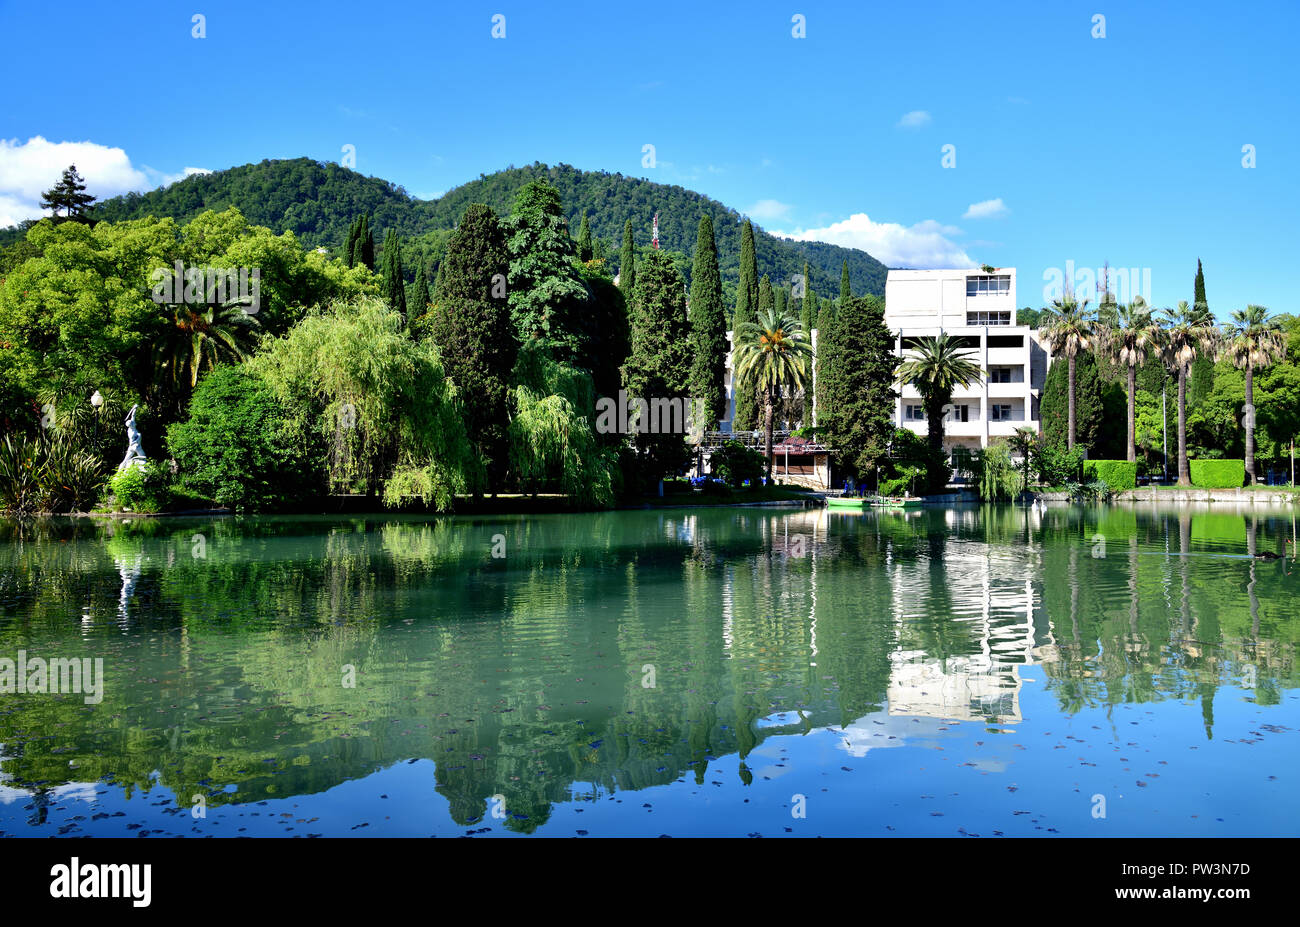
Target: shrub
(905,482)
(46,474)
(997,476)
(1218,474)
(1057,466)
(236,448)
(1118,475)
(735,463)
(143,489)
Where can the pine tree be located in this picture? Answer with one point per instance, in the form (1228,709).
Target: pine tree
(585,252)
(856,389)
(846,293)
(745,417)
(419,299)
(627,262)
(660,363)
(708,328)
(394,283)
(548,299)
(471,325)
(70,195)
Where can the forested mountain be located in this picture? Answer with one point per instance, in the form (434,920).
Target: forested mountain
(318,201)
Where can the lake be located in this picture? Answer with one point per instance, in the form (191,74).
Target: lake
(982,671)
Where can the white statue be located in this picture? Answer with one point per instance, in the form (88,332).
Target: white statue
(134,452)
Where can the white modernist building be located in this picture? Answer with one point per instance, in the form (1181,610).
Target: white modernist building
(979,308)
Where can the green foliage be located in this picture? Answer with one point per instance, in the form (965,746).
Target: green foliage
(70,195)
(47,473)
(1218,474)
(1093,430)
(1118,475)
(905,480)
(745,414)
(856,385)
(627,260)
(735,463)
(393,288)
(237,448)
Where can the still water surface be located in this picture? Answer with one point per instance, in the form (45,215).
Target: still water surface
(987,671)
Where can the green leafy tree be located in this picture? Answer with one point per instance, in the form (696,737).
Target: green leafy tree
(472,327)
(236,447)
(771,356)
(350,243)
(1068,329)
(1252,340)
(69,195)
(1189,333)
(846,292)
(1200,375)
(1090,418)
(855,383)
(708,328)
(825,346)
(419,299)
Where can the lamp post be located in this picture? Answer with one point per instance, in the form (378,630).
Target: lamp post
(97,402)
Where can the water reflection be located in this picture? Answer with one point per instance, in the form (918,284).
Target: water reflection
(608,652)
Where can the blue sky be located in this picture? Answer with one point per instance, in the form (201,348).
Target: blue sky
(1068,148)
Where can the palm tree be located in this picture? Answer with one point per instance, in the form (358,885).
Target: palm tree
(936,368)
(1252,339)
(771,353)
(1189,332)
(1129,342)
(198,337)
(1069,327)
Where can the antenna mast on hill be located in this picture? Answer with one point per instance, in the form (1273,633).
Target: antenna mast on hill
(654,238)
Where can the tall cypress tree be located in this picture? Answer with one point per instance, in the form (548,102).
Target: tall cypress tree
(394,284)
(1200,376)
(766,299)
(627,262)
(419,301)
(585,252)
(363,249)
(708,327)
(846,293)
(781,303)
(825,348)
(660,363)
(856,416)
(473,329)
(808,314)
(746,412)
(350,245)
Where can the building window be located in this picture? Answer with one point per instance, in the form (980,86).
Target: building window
(999,374)
(1000,413)
(988,285)
(988,318)
(914,413)
(961,413)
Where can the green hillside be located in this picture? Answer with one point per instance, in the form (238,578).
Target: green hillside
(317,201)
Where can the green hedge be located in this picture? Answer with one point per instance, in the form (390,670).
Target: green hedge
(1117,474)
(1218,474)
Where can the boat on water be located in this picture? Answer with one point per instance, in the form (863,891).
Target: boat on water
(862,502)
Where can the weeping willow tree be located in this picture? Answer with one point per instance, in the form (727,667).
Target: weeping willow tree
(376,403)
(552,437)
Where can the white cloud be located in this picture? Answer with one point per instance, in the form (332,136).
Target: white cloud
(768,210)
(915,119)
(986,209)
(27,169)
(923,245)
